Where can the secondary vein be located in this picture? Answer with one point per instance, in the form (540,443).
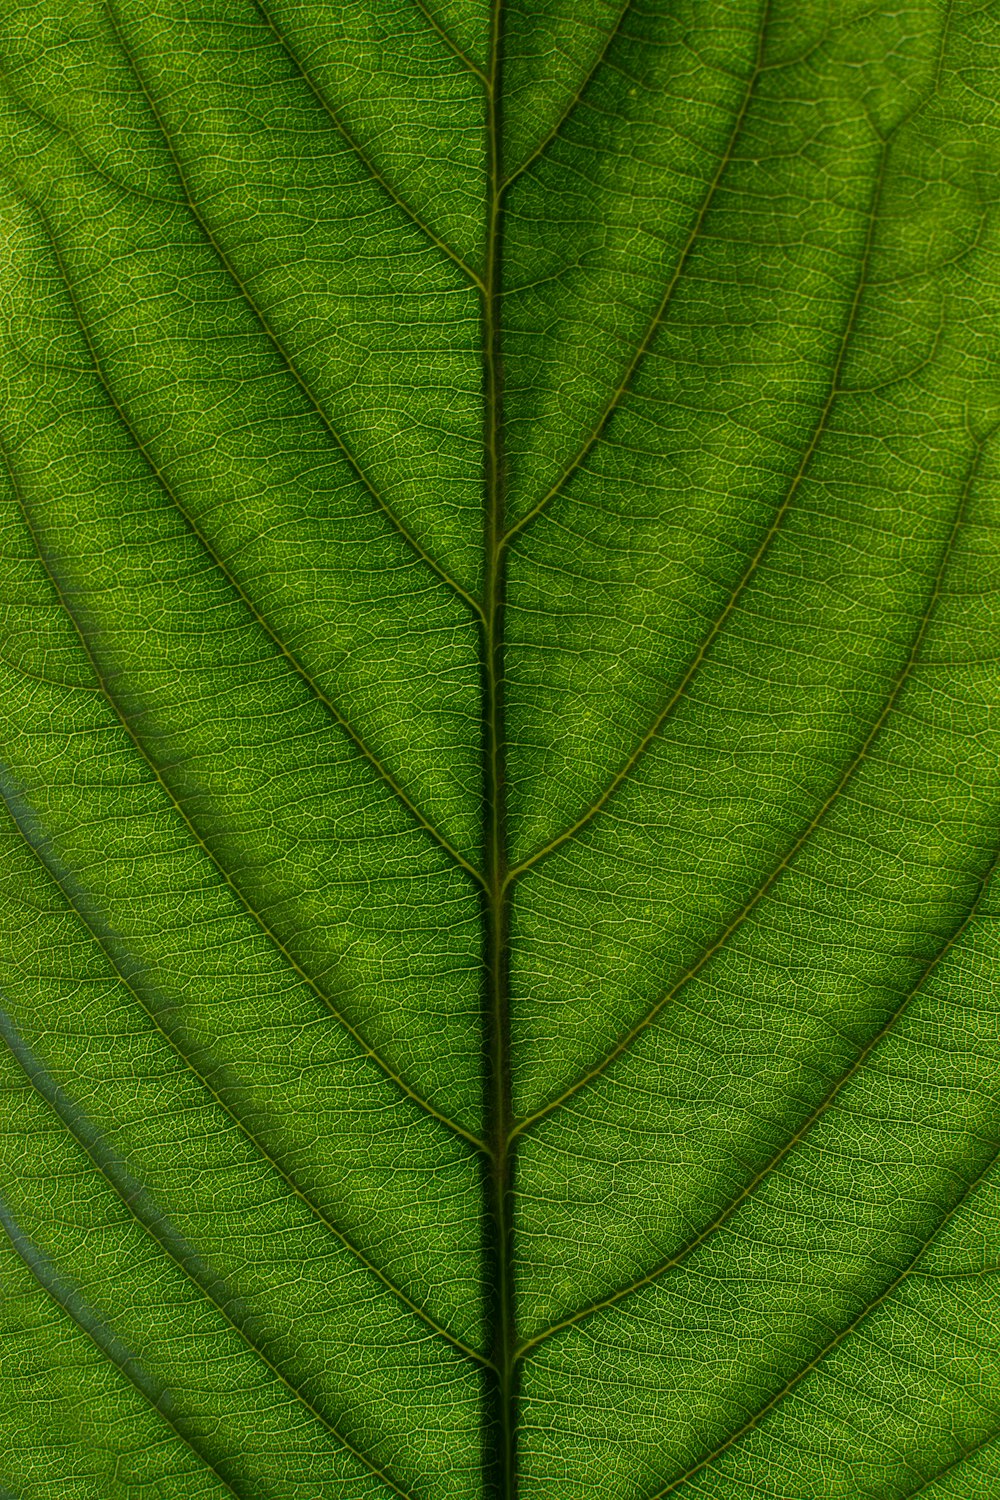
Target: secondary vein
(819,430)
(224,873)
(365,160)
(184,1055)
(154,1223)
(791,853)
(612,1299)
(222,567)
(274,338)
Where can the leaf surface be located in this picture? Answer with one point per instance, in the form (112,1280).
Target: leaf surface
(499,752)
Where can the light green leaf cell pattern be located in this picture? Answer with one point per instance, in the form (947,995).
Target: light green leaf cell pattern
(501,726)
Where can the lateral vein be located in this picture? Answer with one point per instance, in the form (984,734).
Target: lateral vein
(295,1188)
(790,854)
(318,94)
(749,572)
(612,1299)
(835,1341)
(152,1221)
(273,337)
(657,319)
(219,563)
(962,1457)
(243,901)
(70,1301)
(450,43)
(574,100)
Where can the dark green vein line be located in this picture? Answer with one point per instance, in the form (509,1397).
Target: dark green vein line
(245,904)
(73,1304)
(369,166)
(750,571)
(657,319)
(946,1469)
(126,969)
(828,1099)
(500,1432)
(153,1222)
(273,338)
(774,874)
(574,101)
(218,562)
(833,1343)
(450,42)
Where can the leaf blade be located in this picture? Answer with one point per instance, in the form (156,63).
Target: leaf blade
(500,561)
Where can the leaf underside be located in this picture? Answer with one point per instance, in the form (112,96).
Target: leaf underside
(500,569)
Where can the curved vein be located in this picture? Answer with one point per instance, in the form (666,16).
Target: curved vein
(284,651)
(471,276)
(153,1222)
(450,42)
(966,1453)
(832,1343)
(71,1302)
(750,571)
(839,1084)
(655,323)
(732,926)
(574,100)
(274,339)
(243,901)
(188,1062)
(64,130)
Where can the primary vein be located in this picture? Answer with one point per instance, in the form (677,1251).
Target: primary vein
(499,1258)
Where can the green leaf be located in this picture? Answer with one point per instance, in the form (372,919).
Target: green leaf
(500,571)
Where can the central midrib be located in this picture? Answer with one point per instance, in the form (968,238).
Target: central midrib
(500,1416)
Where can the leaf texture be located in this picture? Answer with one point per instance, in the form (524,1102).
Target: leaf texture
(499,750)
